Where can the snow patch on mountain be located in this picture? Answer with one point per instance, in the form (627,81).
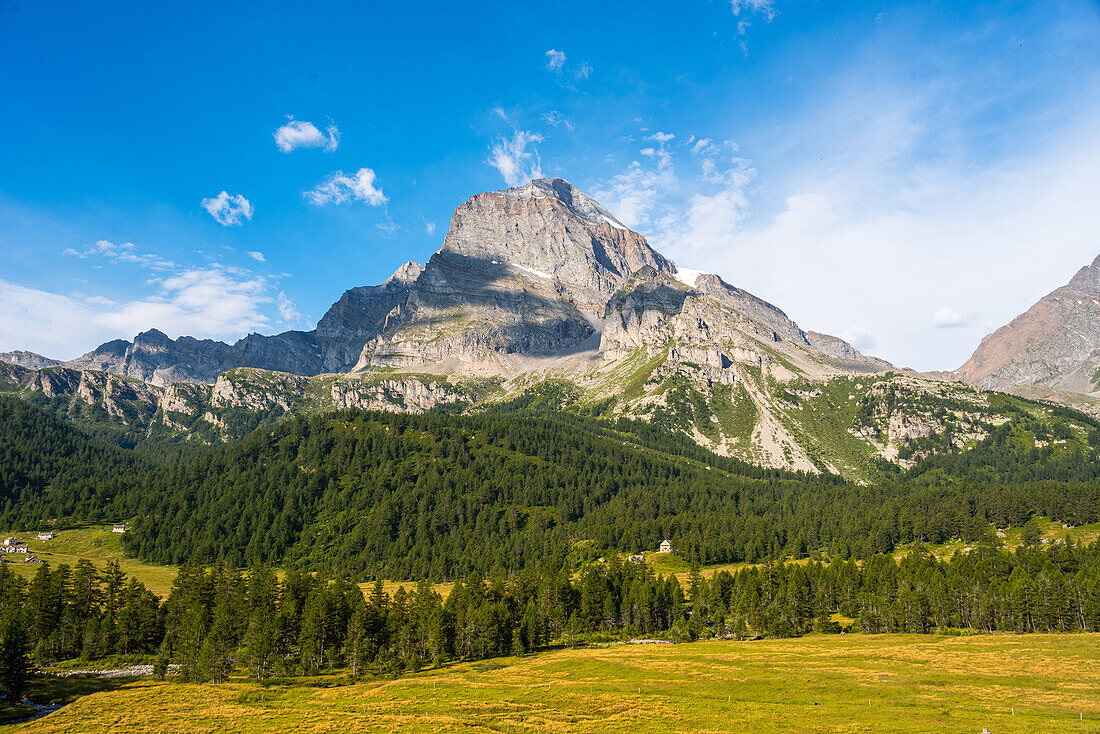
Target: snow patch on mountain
(687,276)
(532,271)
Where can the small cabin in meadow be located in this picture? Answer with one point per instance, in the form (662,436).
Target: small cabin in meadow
(45,536)
(10,542)
(666,546)
(119,528)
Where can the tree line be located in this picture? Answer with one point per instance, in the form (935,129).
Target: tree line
(216,620)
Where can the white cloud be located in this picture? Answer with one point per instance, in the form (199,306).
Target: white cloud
(123,252)
(208,302)
(862,225)
(257,256)
(765,8)
(301,134)
(228,210)
(511,157)
(388,228)
(555,60)
(429,228)
(683,213)
(555,119)
(340,188)
(287,312)
(859,338)
(947,317)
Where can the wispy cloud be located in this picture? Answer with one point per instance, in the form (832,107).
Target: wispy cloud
(341,187)
(948,317)
(429,228)
(880,198)
(228,210)
(555,119)
(745,9)
(701,204)
(568,75)
(287,311)
(257,256)
(555,60)
(516,158)
(210,301)
(301,134)
(859,338)
(766,8)
(123,252)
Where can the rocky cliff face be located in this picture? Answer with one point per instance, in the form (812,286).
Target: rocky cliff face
(1055,344)
(525,271)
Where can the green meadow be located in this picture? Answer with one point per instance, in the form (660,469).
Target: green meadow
(849,683)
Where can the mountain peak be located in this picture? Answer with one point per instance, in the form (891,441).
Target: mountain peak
(578,202)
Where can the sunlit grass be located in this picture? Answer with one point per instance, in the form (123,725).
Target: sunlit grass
(95,543)
(851,683)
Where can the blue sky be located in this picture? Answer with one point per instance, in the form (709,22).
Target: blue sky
(909,176)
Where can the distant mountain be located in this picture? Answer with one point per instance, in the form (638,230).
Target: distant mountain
(540,300)
(30,360)
(1052,349)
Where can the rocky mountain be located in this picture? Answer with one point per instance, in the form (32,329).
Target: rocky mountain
(28,359)
(1050,350)
(539,299)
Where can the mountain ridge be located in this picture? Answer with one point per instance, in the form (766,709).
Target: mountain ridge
(539,290)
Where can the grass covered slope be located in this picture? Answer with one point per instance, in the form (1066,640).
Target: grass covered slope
(854,683)
(95,543)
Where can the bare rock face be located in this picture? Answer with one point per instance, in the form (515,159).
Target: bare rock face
(30,360)
(157,359)
(528,270)
(552,231)
(360,315)
(1054,344)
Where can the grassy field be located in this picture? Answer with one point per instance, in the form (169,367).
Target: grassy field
(99,545)
(95,543)
(851,683)
(1012,537)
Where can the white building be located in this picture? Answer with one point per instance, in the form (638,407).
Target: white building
(45,536)
(666,546)
(120,528)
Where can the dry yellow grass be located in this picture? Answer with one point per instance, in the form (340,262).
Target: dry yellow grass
(852,683)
